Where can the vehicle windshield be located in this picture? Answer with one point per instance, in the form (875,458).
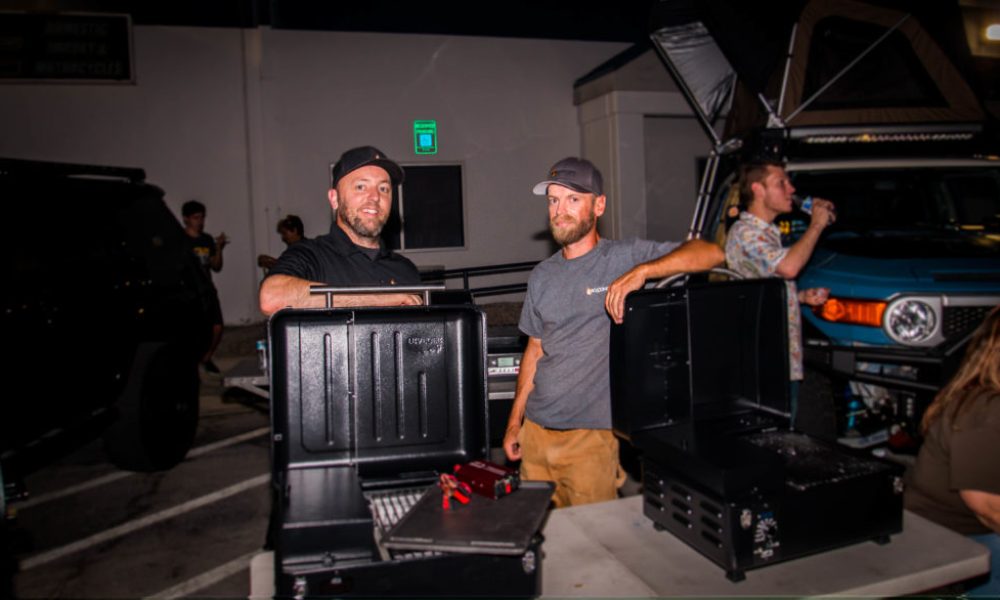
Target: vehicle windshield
(902,200)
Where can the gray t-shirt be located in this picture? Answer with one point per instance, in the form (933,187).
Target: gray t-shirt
(564,308)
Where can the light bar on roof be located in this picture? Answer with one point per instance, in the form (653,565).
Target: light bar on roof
(875,138)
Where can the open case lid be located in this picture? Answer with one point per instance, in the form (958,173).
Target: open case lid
(698,352)
(389,390)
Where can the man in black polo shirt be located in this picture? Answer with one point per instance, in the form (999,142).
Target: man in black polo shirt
(352,254)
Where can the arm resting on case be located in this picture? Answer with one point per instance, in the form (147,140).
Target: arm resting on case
(279,291)
(690,257)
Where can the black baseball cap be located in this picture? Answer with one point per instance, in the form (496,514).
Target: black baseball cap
(362,156)
(575,173)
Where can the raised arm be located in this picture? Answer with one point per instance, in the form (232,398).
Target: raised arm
(690,257)
(215,261)
(799,253)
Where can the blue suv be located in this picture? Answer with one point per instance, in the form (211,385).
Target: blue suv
(913,265)
(876,110)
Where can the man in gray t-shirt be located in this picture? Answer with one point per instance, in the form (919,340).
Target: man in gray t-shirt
(560,423)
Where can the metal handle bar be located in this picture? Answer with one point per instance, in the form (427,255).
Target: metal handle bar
(329,291)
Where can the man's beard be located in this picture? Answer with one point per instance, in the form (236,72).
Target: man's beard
(359,226)
(565,236)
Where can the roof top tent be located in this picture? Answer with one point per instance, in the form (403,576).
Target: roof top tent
(798,68)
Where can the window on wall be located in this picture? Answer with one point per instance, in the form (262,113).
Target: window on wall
(428,209)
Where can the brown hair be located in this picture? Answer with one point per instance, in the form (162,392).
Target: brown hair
(751,173)
(979,372)
(292,223)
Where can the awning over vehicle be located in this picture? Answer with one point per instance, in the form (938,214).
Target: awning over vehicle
(792,63)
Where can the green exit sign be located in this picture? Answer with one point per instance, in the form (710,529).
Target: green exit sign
(425,137)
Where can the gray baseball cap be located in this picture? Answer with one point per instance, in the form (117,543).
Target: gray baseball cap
(575,173)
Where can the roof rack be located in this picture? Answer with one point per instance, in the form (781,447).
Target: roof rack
(9,166)
(930,132)
(901,140)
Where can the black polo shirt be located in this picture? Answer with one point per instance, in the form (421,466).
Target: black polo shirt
(333,259)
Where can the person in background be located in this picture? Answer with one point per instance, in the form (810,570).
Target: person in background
(560,422)
(208,251)
(955,481)
(291,231)
(753,248)
(353,253)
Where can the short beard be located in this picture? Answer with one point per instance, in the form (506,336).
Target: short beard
(566,236)
(358,226)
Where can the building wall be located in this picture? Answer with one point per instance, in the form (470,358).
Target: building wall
(647,144)
(673,146)
(248,121)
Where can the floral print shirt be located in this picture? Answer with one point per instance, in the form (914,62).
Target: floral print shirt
(753,249)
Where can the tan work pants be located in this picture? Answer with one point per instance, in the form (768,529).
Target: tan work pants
(583,463)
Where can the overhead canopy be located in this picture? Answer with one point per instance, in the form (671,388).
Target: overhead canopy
(851,62)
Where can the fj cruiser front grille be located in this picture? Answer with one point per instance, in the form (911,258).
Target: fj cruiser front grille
(960,319)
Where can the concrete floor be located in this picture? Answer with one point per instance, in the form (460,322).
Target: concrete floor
(92,531)
(89,530)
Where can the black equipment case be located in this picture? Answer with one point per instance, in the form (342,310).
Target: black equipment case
(368,407)
(699,386)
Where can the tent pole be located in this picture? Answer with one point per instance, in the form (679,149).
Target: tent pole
(701,204)
(788,65)
(847,68)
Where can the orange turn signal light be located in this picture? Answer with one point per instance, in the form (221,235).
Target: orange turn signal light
(852,312)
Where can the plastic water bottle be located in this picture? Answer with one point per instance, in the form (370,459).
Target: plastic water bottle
(262,355)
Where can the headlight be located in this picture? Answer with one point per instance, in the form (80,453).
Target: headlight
(909,321)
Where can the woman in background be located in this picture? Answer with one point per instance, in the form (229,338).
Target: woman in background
(956,479)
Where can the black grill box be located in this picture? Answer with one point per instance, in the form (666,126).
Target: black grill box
(699,386)
(376,400)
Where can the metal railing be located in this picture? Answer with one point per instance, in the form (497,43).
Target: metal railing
(466,273)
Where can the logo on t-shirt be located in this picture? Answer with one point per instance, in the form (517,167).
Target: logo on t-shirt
(596,290)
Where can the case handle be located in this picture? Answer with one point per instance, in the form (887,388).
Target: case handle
(329,291)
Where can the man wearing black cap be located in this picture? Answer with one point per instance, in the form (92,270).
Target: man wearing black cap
(352,254)
(560,423)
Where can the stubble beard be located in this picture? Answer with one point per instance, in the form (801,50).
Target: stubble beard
(359,226)
(565,236)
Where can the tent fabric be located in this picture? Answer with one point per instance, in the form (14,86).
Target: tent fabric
(960,103)
(701,65)
(907,78)
(753,36)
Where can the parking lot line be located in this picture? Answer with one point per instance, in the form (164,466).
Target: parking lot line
(200,582)
(111,477)
(136,524)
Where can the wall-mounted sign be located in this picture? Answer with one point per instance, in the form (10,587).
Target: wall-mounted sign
(425,137)
(65,47)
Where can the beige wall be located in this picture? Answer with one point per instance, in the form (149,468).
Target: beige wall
(248,122)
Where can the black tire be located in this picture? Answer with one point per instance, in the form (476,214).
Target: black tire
(817,413)
(158,410)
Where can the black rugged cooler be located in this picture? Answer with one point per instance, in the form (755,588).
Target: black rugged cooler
(699,386)
(368,407)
